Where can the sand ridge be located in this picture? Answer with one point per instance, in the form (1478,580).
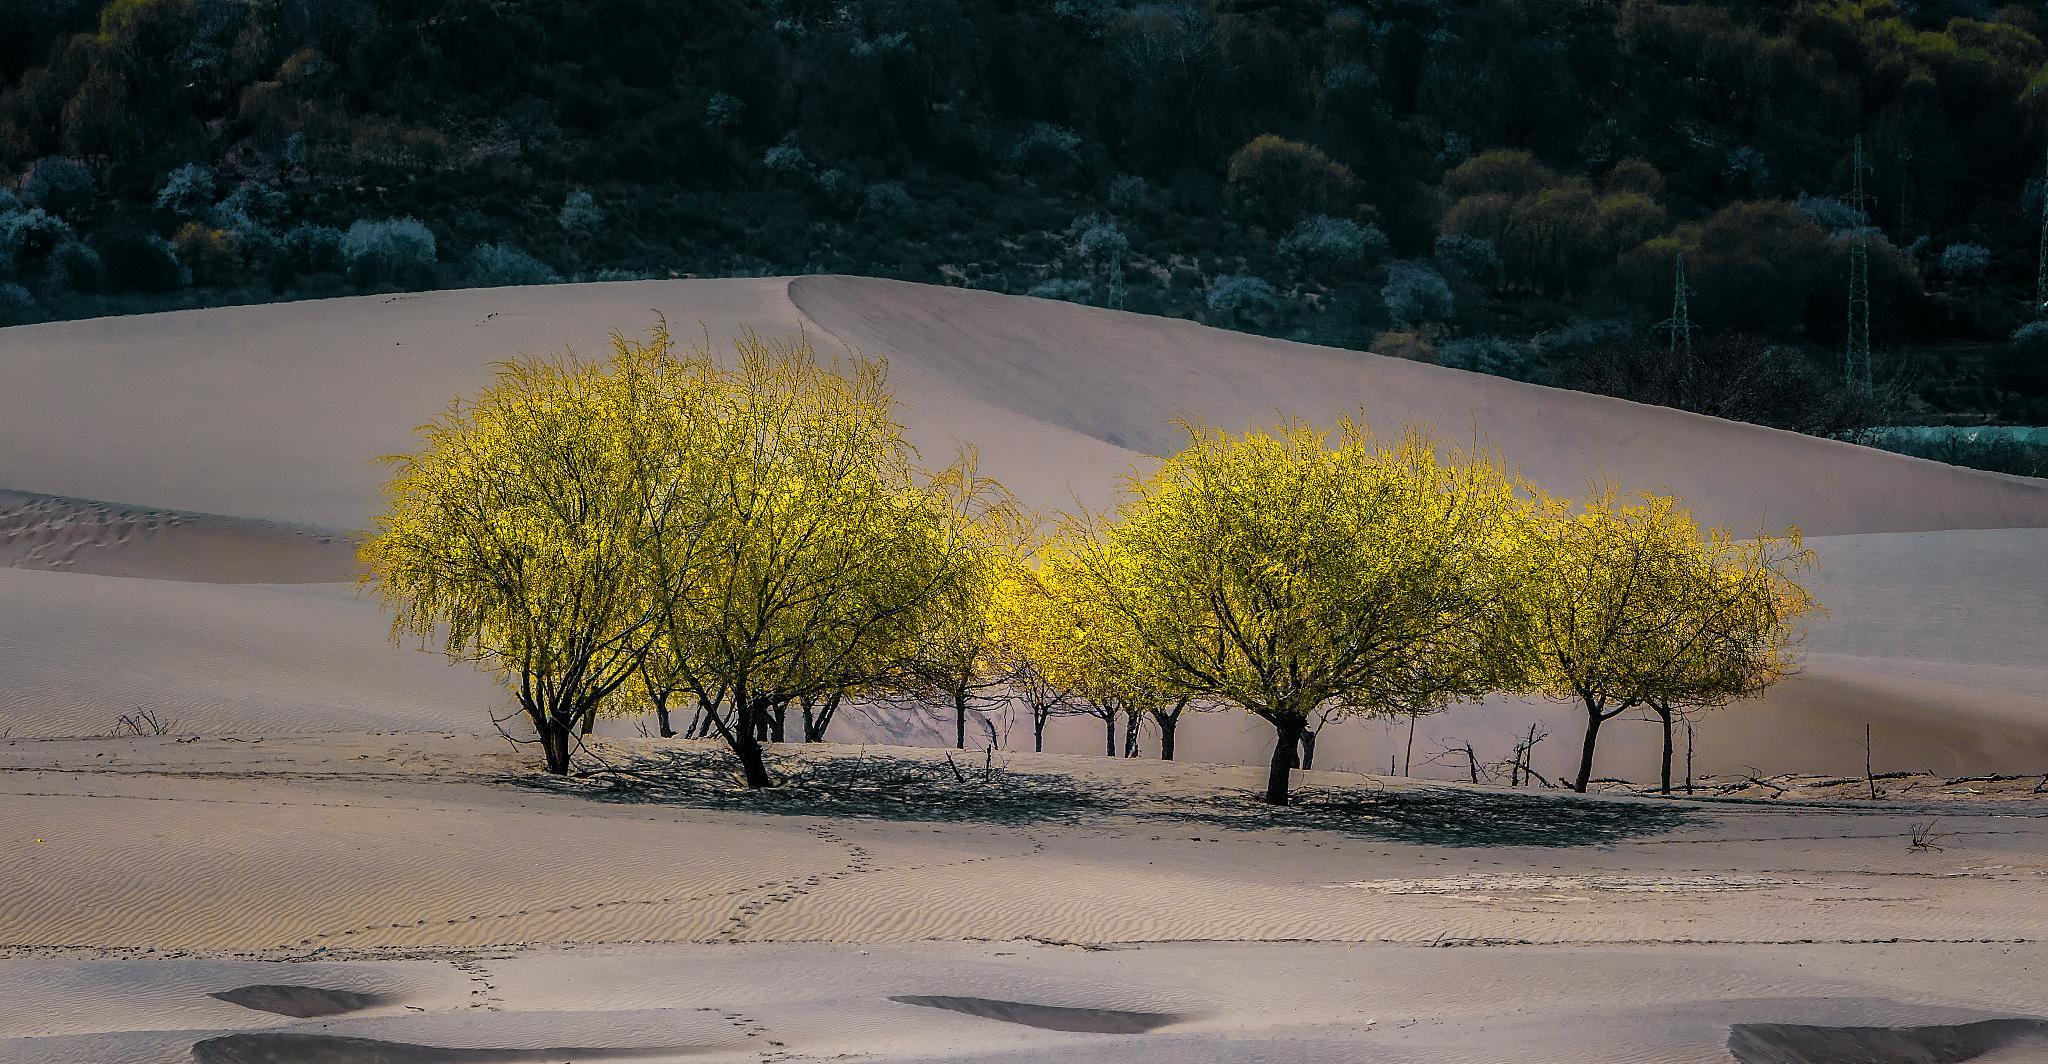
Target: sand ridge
(108,539)
(332,812)
(274,415)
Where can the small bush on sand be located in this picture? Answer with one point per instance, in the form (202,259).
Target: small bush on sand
(393,251)
(498,265)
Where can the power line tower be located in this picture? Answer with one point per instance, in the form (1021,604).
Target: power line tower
(2041,272)
(1680,325)
(1857,363)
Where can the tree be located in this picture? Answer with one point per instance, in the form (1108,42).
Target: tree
(517,536)
(1166,717)
(1502,171)
(187,191)
(1238,299)
(397,251)
(1098,659)
(580,214)
(1333,243)
(498,265)
(804,555)
(62,186)
(1733,635)
(1623,604)
(1737,376)
(1031,628)
(1553,234)
(1275,182)
(1284,572)
(957,660)
(1417,295)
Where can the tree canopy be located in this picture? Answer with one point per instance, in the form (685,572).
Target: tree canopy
(1283,572)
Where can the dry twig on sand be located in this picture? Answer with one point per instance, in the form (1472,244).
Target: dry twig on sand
(1924,839)
(143,722)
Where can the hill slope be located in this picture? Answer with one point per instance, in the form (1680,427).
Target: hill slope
(277,414)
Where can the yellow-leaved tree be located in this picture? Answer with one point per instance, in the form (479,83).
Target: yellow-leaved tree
(1291,571)
(810,554)
(1030,627)
(749,535)
(1090,651)
(1625,604)
(1738,603)
(518,535)
(956,663)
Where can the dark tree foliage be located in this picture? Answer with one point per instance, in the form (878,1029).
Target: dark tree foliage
(1585,141)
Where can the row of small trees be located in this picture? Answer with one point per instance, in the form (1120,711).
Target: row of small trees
(660,530)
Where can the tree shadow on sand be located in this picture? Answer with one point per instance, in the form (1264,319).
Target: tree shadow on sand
(1447,816)
(984,790)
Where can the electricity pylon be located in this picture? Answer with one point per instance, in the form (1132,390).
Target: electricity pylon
(2041,271)
(1680,326)
(1857,361)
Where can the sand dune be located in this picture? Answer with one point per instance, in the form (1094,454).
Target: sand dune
(1121,379)
(78,651)
(410,884)
(82,536)
(271,418)
(279,411)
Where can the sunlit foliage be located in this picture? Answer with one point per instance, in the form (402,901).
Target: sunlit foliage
(518,536)
(1289,571)
(751,536)
(1627,605)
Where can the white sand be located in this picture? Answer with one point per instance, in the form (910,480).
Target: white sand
(334,809)
(277,414)
(149,873)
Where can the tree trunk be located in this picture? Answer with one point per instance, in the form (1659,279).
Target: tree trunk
(778,722)
(589,719)
(1664,714)
(1109,733)
(1288,728)
(1308,749)
(1132,719)
(554,743)
(1688,758)
(960,718)
(1039,718)
(819,718)
(746,744)
(1593,721)
(752,766)
(661,718)
(1167,726)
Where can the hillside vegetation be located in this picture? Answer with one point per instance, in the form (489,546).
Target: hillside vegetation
(1502,185)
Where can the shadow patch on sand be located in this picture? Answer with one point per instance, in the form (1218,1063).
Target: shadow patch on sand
(276,1047)
(882,788)
(299,1002)
(1450,816)
(1046,1017)
(1792,1043)
(914,789)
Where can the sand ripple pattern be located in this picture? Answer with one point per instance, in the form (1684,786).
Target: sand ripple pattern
(107,539)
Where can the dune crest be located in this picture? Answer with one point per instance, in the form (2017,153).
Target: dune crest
(108,539)
(1122,378)
(272,417)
